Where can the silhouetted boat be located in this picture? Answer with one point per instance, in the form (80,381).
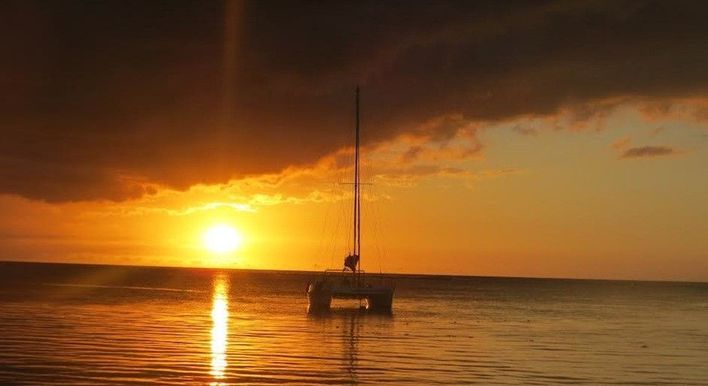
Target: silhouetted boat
(351,282)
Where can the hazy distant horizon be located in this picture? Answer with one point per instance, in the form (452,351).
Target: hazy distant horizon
(317,271)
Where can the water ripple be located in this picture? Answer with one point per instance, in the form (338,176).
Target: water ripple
(146,326)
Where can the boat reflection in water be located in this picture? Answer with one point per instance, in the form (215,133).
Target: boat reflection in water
(219,329)
(351,346)
(349,325)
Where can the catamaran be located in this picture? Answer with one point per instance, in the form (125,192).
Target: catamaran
(351,282)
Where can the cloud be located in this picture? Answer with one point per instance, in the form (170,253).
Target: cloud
(525,130)
(621,143)
(114,100)
(693,109)
(648,152)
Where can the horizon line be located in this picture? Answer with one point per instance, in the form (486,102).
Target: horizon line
(379,273)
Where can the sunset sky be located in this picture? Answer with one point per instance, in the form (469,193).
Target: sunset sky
(547,138)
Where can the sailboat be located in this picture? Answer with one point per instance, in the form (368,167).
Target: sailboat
(351,282)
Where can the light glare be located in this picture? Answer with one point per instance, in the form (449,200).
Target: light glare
(222,239)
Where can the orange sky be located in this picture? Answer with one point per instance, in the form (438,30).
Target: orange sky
(559,203)
(553,139)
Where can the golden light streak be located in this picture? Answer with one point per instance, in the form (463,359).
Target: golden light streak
(220,324)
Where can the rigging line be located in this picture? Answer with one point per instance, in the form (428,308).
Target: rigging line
(339,209)
(333,239)
(346,222)
(384,250)
(371,225)
(331,246)
(357,204)
(337,241)
(347,214)
(322,249)
(378,232)
(349,211)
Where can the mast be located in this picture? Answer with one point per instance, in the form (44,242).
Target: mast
(358,184)
(357,190)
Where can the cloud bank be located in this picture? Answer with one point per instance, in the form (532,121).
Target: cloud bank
(648,152)
(112,100)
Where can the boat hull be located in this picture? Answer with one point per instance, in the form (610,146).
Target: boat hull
(319,298)
(382,301)
(321,293)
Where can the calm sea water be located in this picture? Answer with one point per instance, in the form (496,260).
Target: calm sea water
(92,325)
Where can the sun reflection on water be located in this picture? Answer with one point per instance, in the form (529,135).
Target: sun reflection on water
(219,329)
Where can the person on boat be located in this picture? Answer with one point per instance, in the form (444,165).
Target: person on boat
(351,262)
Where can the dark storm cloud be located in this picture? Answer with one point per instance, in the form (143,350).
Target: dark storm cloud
(648,152)
(101,99)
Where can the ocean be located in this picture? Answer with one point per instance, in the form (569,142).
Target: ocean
(64,324)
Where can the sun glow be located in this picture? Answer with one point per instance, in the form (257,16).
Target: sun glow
(222,239)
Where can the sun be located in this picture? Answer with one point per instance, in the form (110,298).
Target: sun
(222,239)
